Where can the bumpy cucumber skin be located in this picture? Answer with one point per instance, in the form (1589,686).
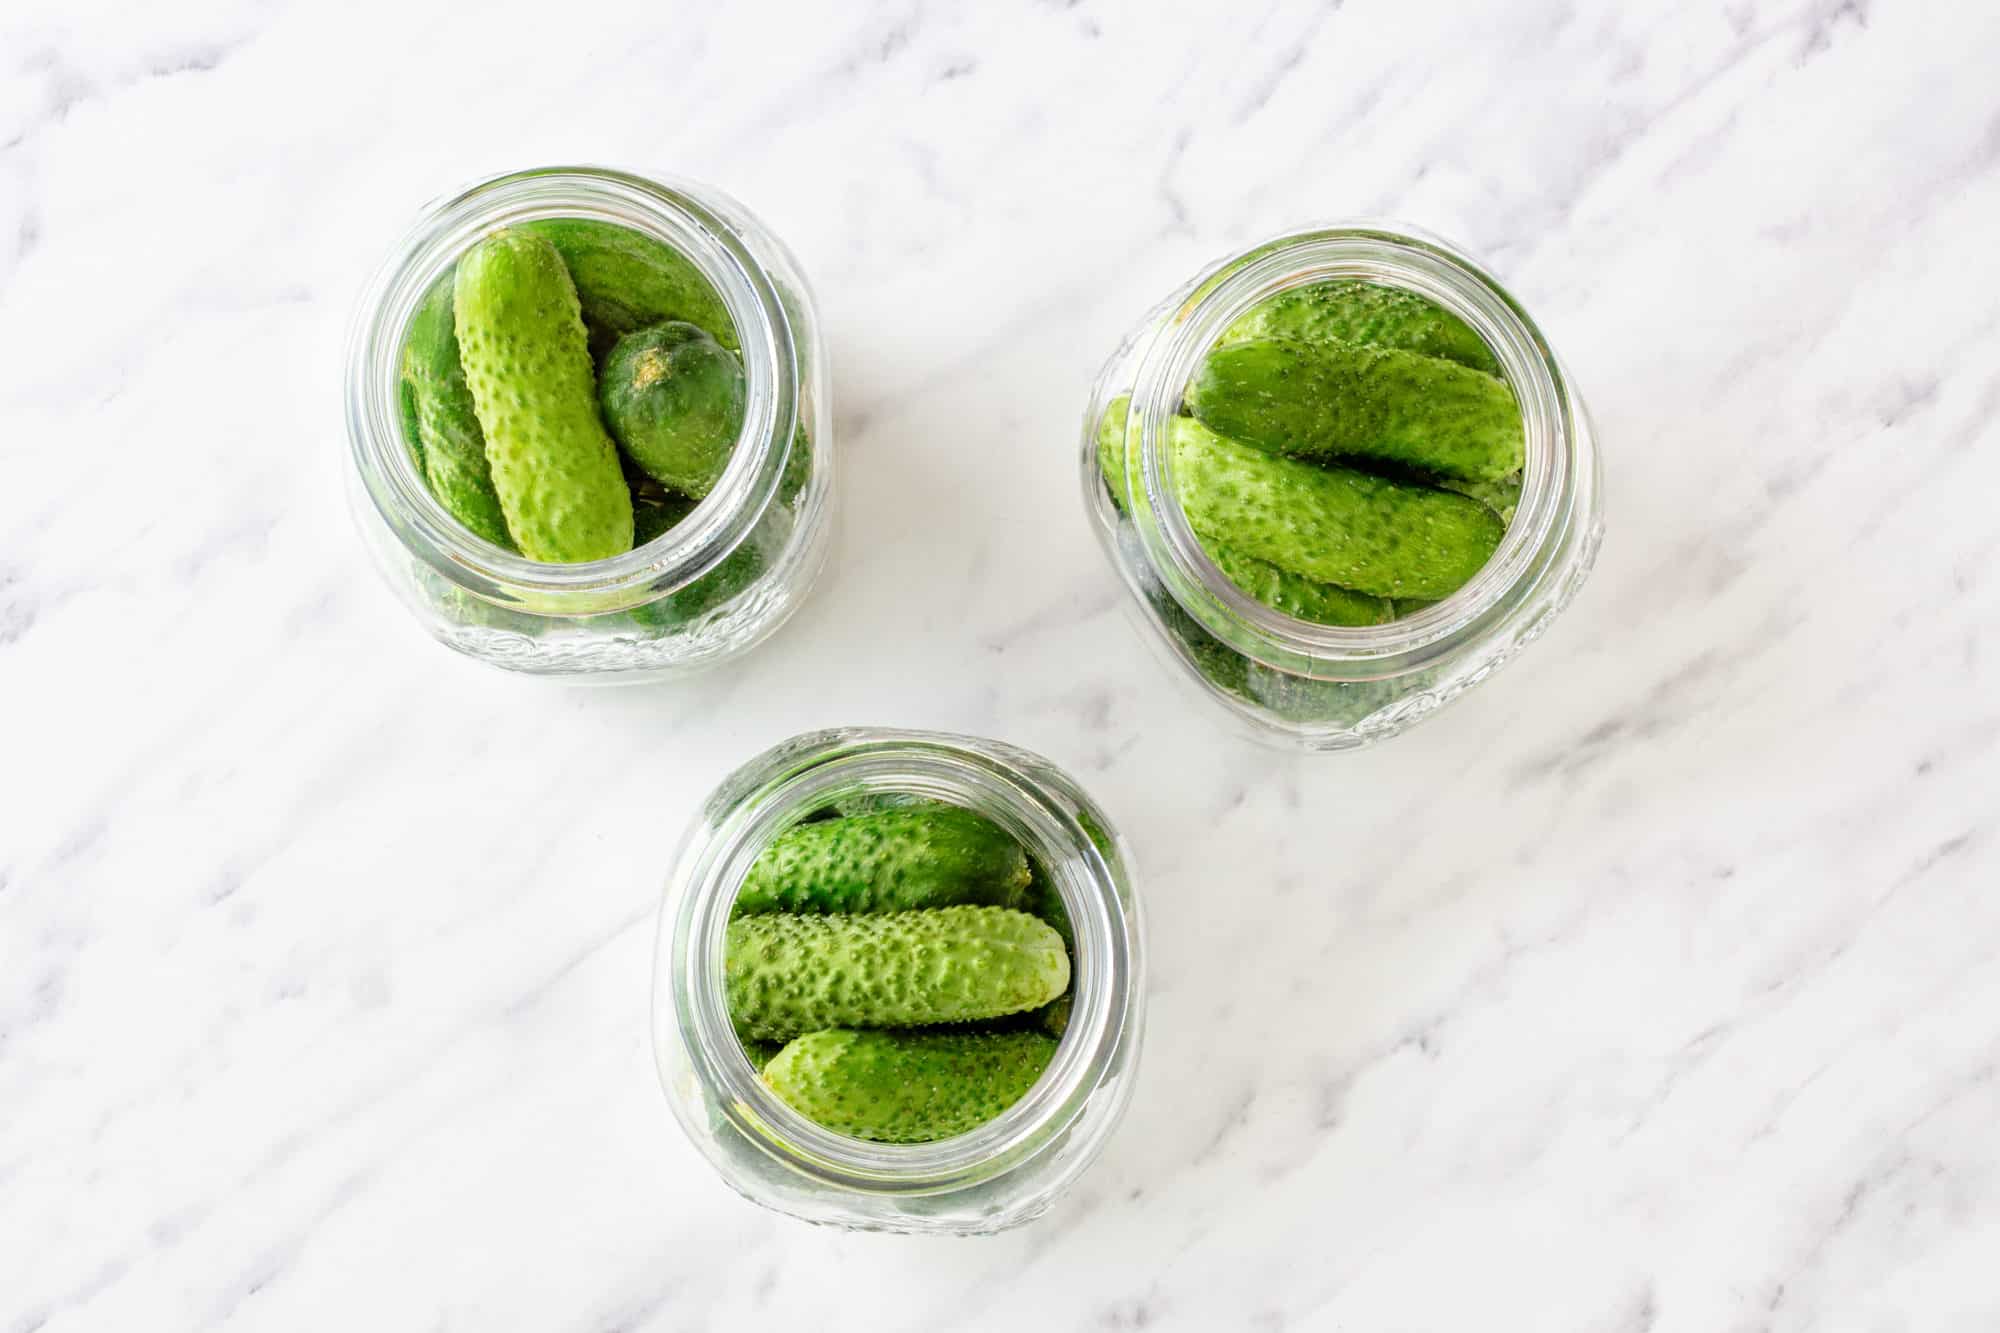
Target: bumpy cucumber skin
(673,398)
(1333,524)
(1350,310)
(1340,400)
(521,341)
(1280,589)
(452,448)
(895,860)
(907,1087)
(626,280)
(786,974)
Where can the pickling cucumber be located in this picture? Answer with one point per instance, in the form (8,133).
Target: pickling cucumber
(895,860)
(626,280)
(451,447)
(1352,310)
(522,344)
(1333,524)
(785,974)
(673,398)
(1282,590)
(907,1087)
(1342,400)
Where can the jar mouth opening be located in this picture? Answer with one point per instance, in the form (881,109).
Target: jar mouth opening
(1394,254)
(721,521)
(1104,974)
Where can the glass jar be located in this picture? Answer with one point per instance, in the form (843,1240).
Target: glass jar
(1011,1168)
(713,585)
(1322,687)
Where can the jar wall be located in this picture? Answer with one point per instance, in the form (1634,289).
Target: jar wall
(1335,690)
(1011,1169)
(716,584)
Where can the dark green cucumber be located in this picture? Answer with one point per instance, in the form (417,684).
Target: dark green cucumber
(1333,524)
(1351,310)
(626,280)
(522,343)
(895,860)
(452,448)
(907,1087)
(673,398)
(656,510)
(785,974)
(1340,400)
(1280,589)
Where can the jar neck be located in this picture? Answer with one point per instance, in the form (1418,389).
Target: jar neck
(1170,355)
(674,214)
(776,790)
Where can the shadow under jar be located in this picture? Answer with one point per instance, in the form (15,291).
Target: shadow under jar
(1297,682)
(1001,1174)
(713,584)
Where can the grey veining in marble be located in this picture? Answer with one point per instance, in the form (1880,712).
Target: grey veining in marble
(1655,986)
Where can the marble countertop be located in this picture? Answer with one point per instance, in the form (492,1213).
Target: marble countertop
(1655,986)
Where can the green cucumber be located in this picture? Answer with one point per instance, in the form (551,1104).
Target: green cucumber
(895,860)
(521,341)
(656,510)
(1053,1017)
(1280,589)
(627,280)
(1351,310)
(907,1087)
(786,974)
(673,398)
(1503,497)
(761,1053)
(1334,524)
(452,449)
(1340,400)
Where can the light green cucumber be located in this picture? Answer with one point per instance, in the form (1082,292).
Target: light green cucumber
(626,280)
(1351,310)
(1341,400)
(907,1087)
(894,860)
(451,447)
(521,341)
(1280,589)
(786,974)
(1333,524)
(673,399)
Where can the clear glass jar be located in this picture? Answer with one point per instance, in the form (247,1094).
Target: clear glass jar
(1322,687)
(1008,1170)
(715,584)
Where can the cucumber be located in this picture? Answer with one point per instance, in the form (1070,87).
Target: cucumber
(655,509)
(1053,1017)
(786,974)
(521,341)
(673,398)
(1350,310)
(1333,524)
(729,579)
(895,860)
(761,1053)
(451,448)
(1340,400)
(1293,594)
(1503,497)
(626,280)
(907,1087)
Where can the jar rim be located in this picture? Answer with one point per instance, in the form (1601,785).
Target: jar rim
(668,211)
(771,793)
(1179,333)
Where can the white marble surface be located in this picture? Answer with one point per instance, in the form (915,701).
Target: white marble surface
(1654,987)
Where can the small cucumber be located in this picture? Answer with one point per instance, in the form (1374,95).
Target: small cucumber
(626,280)
(895,860)
(1351,310)
(673,398)
(907,1087)
(786,974)
(1340,400)
(452,449)
(1333,524)
(521,341)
